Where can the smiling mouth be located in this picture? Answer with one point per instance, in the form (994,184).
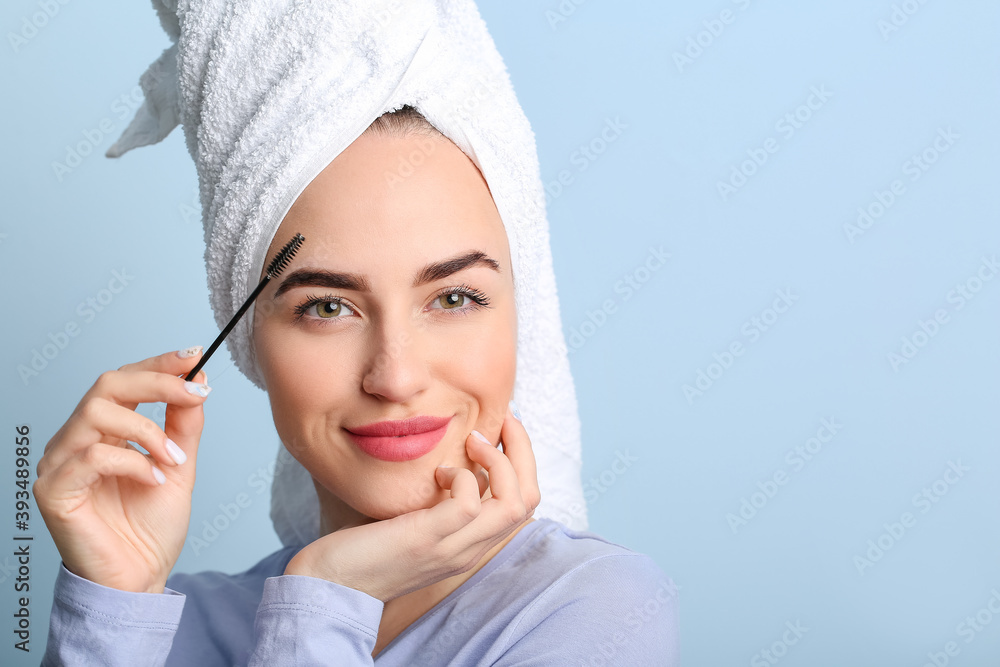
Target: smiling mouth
(405,427)
(384,441)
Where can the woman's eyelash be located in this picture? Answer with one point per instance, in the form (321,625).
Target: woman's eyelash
(478,298)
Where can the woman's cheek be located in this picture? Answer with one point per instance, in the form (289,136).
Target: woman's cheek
(488,373)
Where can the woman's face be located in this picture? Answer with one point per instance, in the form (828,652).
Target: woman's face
(407,338)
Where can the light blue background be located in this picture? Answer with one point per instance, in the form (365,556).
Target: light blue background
(695,460)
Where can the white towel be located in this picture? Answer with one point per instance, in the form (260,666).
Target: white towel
(269,93)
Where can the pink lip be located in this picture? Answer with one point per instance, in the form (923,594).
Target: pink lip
(399,440)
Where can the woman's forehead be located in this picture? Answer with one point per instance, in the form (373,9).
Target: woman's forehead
(350,210)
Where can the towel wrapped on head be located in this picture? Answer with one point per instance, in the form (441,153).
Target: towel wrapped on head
(269,93)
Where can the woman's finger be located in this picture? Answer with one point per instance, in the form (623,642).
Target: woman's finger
(73,478)
(101,420)
(107,412)
(506,505)
(517,448)
(483,478)
(184,417)
(129,388)
(461,508)
(178,362)
(184,420)
(106,419)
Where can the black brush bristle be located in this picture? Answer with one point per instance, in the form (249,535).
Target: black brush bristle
(282,259)
(277,265)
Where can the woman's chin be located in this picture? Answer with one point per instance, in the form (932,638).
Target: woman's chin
(382,509)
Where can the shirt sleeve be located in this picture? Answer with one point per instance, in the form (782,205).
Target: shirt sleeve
(614,610)
(305,620)
(91,624)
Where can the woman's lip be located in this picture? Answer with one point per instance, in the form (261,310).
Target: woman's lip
(411,426)
(399,448)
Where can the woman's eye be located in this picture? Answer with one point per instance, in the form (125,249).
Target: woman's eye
(451,300)
(326,310)
(460,300)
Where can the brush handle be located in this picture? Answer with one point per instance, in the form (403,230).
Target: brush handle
(229,327)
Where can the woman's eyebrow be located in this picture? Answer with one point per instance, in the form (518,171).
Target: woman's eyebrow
(307,277)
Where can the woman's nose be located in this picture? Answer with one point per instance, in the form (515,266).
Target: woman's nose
(397,369)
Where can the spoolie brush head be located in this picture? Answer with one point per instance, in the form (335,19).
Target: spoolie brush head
(282,259)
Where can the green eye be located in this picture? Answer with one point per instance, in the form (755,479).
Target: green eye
(328,309)
(322,308)
(461,299)
(451,300)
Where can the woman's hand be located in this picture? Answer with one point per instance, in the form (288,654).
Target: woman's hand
(387,559)
(117,516)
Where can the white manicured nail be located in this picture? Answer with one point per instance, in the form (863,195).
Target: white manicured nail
(176,453)
(482,437)
(158,474)
(514,410)
(197,388)
(189,352)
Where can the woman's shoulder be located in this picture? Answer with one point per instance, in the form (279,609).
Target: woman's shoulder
(562,550)
(552,566)
(575,583)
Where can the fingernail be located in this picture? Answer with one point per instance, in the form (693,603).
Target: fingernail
(514,410)
(445,467)
(158,474)
(176,453)
(197,388)
(189,352)
(482,437)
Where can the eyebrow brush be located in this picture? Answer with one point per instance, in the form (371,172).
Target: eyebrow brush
(276,266)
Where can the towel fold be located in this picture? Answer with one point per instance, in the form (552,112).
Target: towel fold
(269,93)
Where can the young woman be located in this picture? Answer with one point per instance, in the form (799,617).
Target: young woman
(389,352)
